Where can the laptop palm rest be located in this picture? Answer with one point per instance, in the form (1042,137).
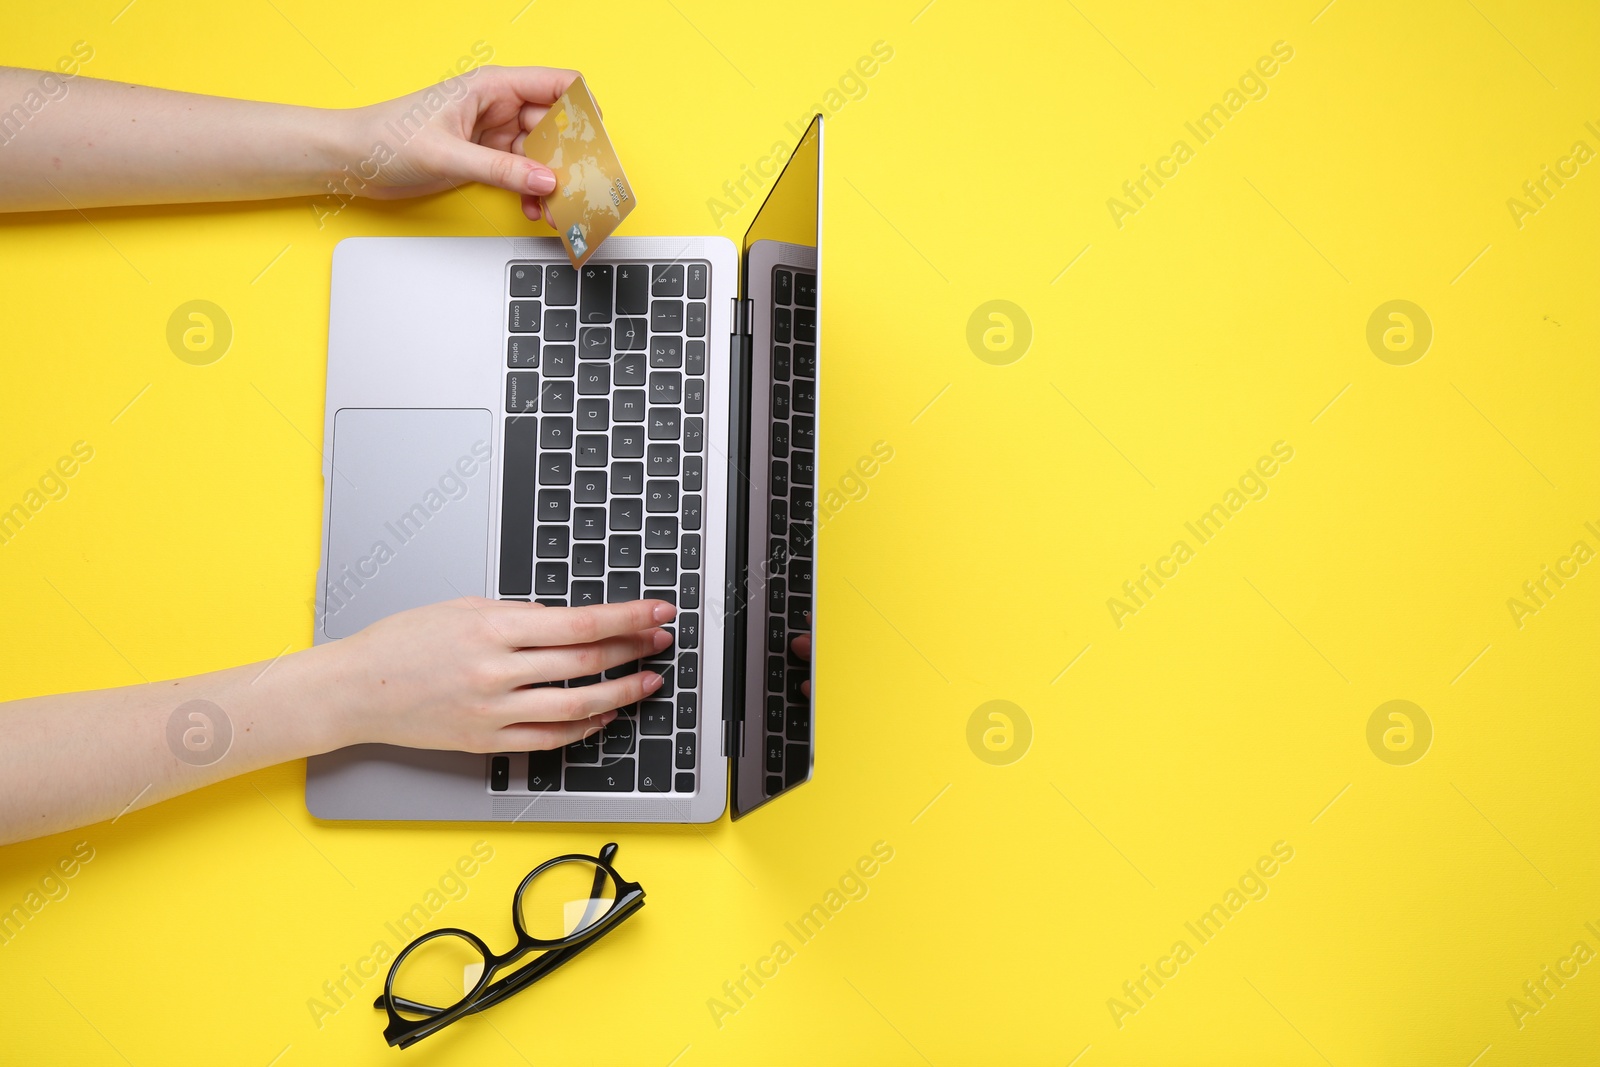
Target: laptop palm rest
(408,513)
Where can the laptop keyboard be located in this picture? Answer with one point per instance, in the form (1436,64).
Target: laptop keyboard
(603,494)
(787,738)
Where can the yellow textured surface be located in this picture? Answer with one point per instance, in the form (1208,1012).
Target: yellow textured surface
(1172,347)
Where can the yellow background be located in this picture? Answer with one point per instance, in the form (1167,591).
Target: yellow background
(1224,717)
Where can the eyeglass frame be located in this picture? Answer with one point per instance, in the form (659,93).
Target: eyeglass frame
(628,899)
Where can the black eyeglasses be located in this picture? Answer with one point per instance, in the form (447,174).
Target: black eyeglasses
(563,906)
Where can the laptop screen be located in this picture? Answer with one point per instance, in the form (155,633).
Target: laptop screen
(775,734)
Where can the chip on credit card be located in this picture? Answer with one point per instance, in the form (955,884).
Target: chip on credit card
(592,194)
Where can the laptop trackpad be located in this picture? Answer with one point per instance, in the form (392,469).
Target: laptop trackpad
(409,519)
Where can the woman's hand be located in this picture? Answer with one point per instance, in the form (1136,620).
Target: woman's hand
(801,646)
(467,129)
(466,674)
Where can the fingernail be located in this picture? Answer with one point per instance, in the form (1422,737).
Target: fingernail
(652,680)
(664,612)
(541,182)
(661,640)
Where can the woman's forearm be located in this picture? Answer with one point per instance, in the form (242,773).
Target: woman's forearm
(94,143)
(79,758)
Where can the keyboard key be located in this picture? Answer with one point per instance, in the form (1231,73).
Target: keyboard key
(629,368)
(780,402)
(691,511)
(527,279)
(522,392)
(516,507)
(665,669)
(544,770)
(556,433)
(630,335)
(633,289)
(805,290)
(627,513)
(591,450)
(803,429)
(594,379)
(774,785)
(777,555)
(781,326)
(661,531)
(522,351)
(800,576)
(551,542)
(689,552)
(777,633)
(777,595)
(796,764)
(662,461)
(688,628)
(803,468)
(683,782)
(655,717)
(550,602)
(683,751)
(556,396)
(694,320)
(594,293)
(627,442)
(780,362)
(561,285)
(523,316)
(621,586)
(555,505)
(589,524)
(797,677)
(694,433)
(560,324)
(630,405)
(805,326)
(589,487)
(666,352)
(499,773)
(782,287)
(694,357)
(550,579)
(687,714)
(699,274)
(614,776)
(780,478)
(618,737)
(625,551)
(694,395)
(805,397)
(805,361)
(588,560)
(655,766)
(661,495)
(799,539)
(666,316)
(800,613)
(780,439)
(594,413)
(661,569)
(664,424)
(688,681)
(587,593)
(774,757)
(666,387)
(626,478)
(666,279)
(560,361)
(595,342)
(800,501)
(775,713)
(777,513)
(691,474)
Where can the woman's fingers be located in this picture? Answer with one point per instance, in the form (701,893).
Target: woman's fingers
(559,662)
(557,704)
(531,736)
(536,626)
(802,646)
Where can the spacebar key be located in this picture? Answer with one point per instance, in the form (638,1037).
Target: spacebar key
(516,506)
(613,777)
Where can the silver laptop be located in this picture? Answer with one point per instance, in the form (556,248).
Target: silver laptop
(500,424)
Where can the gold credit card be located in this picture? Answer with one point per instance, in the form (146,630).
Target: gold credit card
(592,194)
